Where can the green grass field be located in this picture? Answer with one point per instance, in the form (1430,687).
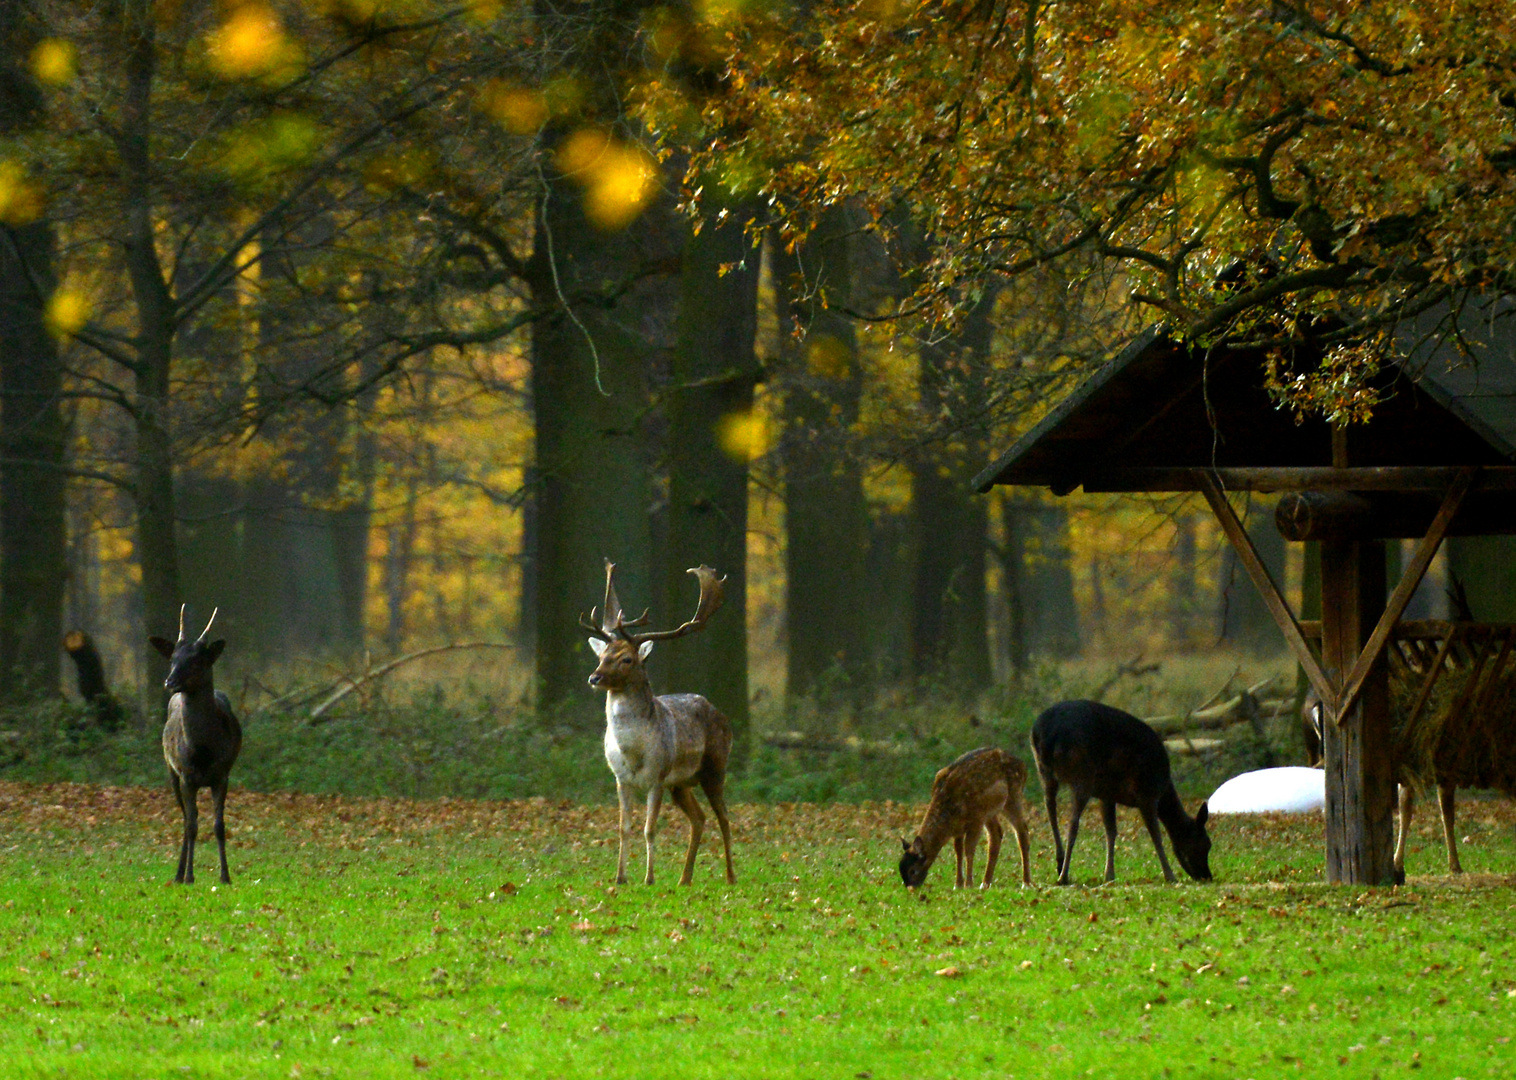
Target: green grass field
(385,938)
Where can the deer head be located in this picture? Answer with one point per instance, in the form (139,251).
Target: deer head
(622,650)
(189,661)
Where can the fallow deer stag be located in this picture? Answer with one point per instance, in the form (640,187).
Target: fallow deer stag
(201,739)
(673,741)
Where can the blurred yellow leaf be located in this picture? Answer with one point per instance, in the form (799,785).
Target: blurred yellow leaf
(67,312)
(21,201)
(54,61)
(252,44)
(619,179)
(515,108)
(743,436)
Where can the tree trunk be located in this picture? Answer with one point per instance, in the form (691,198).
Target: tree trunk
(1050,614)
(710,398)
(33,433)
(1182,584)
(1244,620)
(826,517)
(157,551)
(590,397)
(948,636)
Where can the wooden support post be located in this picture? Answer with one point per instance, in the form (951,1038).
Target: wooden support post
(1268,589)
(1360,781)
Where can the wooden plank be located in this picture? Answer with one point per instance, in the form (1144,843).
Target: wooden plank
(1300,478)
(1267,588)
(1352,685)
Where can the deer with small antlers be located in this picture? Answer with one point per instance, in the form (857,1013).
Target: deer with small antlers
(201,738)
(672,741)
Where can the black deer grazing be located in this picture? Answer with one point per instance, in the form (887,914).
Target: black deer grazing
(200,740)
(1106,754)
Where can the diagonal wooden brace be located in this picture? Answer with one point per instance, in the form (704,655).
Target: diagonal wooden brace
(1325,688)
(1415,570)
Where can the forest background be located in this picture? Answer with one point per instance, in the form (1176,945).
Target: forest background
(375,326)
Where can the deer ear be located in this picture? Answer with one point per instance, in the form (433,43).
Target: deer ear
(644,649)
(597,646)
(215,647)
(906,844)
(1202,814)
(163,645)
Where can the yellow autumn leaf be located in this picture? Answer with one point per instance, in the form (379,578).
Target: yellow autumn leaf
(54,61)
(67,312)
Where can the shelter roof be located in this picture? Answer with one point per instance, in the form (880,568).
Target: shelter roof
(1160,404)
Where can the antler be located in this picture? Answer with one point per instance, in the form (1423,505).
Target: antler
(207,629)
(712,595)
(181,624)
(613,621)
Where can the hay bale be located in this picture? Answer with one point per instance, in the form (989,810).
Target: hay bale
(1475,749)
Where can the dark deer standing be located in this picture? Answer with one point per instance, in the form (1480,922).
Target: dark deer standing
(968,797)
(673,741)
(1106,754)
(200,740)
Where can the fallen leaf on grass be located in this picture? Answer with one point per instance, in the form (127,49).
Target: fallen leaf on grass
(948,972)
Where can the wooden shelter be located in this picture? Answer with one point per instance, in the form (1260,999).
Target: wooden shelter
(1437,458)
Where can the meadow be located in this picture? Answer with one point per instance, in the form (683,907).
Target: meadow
(370,937)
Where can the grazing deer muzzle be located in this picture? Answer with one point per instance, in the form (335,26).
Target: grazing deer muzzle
(653,743)
(201,739)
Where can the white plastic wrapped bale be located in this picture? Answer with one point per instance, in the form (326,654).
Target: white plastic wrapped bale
(1291,790)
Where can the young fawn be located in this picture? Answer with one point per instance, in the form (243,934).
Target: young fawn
(201,739)
(673,741)
(1106,754)
(969,796)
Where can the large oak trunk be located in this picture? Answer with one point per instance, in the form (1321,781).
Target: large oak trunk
(710,396)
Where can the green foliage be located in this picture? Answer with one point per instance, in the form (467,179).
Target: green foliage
(388,938)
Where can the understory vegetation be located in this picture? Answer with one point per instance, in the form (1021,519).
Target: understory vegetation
(475,737)
(454,938)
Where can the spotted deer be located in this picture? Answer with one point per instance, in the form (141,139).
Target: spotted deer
(1106,754)
(201,739)
(672,741)
(968,797)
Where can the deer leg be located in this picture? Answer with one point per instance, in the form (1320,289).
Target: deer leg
(1445,795)
(218,795)
(191,830)
(714,792)
(1050,794)
(624,796)
(992,826)
(1150,819)
(970,847)
(1403,829)
(1108,817)
(684,798)
(650,826)
(957,862)
(1075,813)
(1018,825)
(173,779)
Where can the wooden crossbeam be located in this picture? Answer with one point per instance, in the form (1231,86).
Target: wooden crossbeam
(1267,588)
(1391,478)
(1415,570)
